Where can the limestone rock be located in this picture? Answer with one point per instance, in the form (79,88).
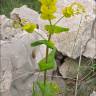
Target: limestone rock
(6,30)
(17,63)
(69,70)
(90,51)
(70,66)
(26,13)
(93,94)
(74,42)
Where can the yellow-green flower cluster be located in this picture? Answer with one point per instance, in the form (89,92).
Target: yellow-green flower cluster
(73,9)
(48,8)
(29,27)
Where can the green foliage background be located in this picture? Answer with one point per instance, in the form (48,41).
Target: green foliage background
(6,6)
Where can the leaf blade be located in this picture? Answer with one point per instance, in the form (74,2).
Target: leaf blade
(50,44)
(43,66)
(55,29)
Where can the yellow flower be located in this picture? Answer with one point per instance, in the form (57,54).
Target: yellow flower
(73,9)
(23,21)
(68,11)
(48,2)
(78,8)
(29,27)
(16,24)
(48,9)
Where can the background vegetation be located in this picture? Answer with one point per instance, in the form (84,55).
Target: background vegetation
(8,5)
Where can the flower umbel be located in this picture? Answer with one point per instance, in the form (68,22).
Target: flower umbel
(74,9)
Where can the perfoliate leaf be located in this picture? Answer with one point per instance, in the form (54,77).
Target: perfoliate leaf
(55,29)
(50,62)
(49,44)
(29,27)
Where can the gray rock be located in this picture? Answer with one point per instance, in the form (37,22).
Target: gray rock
(26,13)
(7,32)
(93,94)
(70,66)
(17,63)
(73,42)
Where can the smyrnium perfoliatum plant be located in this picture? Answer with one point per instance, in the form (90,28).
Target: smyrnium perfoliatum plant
(48,8)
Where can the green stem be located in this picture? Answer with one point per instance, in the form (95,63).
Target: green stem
(47,51)
(40,35)
(58,20)
(77,77)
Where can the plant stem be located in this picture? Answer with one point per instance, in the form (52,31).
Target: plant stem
(40,35)
(76,36)
(77,78)
(80,59)
(58,20)
(84,78)
(47,51)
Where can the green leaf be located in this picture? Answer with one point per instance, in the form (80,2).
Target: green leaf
(55,29)
(49,44)
(93,66)
(50,62)
(49,89)
(55,87)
